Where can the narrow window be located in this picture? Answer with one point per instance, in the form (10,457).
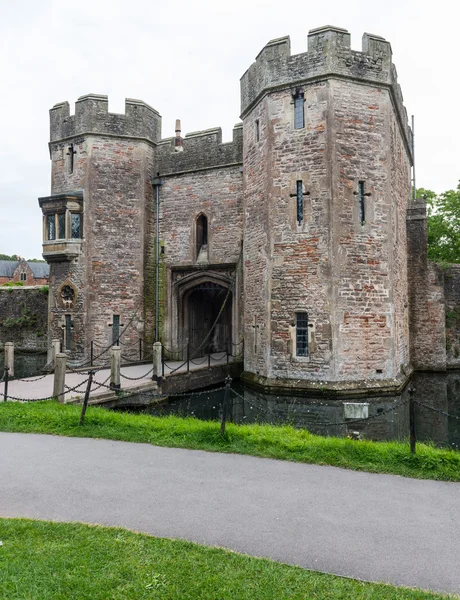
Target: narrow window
(257,130)
(301,335)
(71,154)
(51,225)
(61,226)
(299,121)
(116,330)
(76,226)
(68,332)
(201,234)
(23,276)
(299,196)
(361,194)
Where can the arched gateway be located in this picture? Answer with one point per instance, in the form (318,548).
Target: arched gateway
(206,304)
(203,312)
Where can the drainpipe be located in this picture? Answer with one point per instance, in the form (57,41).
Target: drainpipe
(156,182)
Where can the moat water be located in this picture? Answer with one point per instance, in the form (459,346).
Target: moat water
(389,415)
(26,364)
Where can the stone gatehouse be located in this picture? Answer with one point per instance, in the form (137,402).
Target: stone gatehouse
(300,234)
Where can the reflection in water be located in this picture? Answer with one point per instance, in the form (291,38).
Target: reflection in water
(388,415)
(25,364)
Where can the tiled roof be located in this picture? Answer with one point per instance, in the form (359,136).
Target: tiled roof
(40,270)
(8,267)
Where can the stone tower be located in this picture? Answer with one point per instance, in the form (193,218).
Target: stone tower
(94,223)
(327,158)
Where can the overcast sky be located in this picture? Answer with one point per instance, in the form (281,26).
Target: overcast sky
(185,58)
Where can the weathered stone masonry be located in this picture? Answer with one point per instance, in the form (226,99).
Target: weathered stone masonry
(350,277)
(229,220)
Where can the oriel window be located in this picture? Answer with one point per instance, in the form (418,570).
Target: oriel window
(76,226)
(301,334)
(61,226)
(51,226)
(299,117)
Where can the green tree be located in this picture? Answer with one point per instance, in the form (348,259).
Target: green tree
(7,257)
(443,221)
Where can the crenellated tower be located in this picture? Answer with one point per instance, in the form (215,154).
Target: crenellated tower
(94,219)
(327,160)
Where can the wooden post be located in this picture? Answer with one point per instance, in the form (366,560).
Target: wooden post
(413,439)
(9,358)
(115,363)
(157,361)
(228,381)
(87,392)
(5,388)
(59,377)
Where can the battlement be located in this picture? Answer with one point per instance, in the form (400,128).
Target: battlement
(92,116)
(329,53)
(201,150)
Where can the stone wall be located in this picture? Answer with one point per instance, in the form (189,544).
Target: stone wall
(200,150)
(452,308)
(350,277)
(217,194)
(24,318)
(426,296)
(329,54)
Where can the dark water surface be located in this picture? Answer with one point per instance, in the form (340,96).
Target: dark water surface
(25,364)
(388,415)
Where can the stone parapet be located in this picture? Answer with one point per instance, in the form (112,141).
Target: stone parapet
(92,117)
(200,150)
(329,54)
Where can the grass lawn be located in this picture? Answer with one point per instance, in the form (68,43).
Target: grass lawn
(68,561)
(285,443)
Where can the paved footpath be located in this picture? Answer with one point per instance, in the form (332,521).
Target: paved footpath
(362,525)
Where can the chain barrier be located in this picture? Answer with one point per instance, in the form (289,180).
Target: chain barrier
(136,378)
(437,410)
(31,380)
(399,404)
(211,357)
(69,390)
(102,384)
(86,363)
(75,389)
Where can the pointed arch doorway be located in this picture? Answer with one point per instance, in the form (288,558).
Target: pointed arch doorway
(203,304)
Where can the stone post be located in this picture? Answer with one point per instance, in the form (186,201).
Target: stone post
(55,349)
(59,376)
(115,363)
(157,356)
(9,358)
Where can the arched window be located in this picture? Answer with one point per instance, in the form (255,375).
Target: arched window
(23,276)
(201,235)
